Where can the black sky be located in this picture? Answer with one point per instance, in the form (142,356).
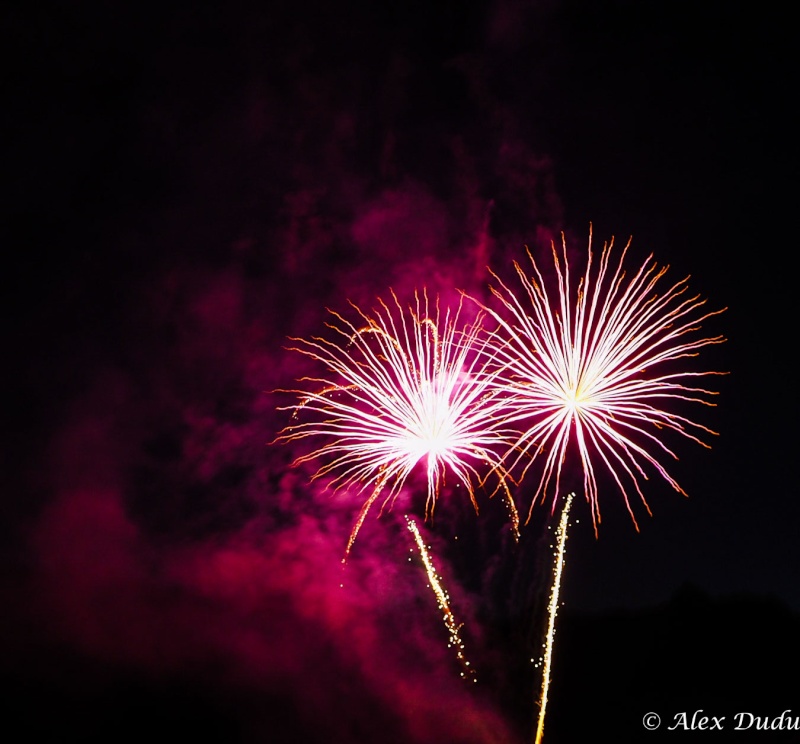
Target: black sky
(186,190)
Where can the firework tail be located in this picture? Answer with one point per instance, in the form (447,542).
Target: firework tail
(443,600)
(552,611)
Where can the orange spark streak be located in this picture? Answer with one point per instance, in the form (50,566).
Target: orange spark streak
(443,600)
(552,611)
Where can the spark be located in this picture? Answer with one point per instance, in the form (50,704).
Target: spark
(406,387)
(552,611)
(601,374)
(443,600)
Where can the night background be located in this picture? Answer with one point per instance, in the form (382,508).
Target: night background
(184,191)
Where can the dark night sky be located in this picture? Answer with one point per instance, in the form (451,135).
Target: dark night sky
(186,190)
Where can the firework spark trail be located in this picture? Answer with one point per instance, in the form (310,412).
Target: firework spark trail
(443,600)
(587,373)
(406,387)
(552,611)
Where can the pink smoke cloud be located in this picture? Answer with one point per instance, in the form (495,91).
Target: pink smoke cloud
(171,540)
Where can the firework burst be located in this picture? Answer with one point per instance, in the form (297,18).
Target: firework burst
(600,372)
(405,387)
